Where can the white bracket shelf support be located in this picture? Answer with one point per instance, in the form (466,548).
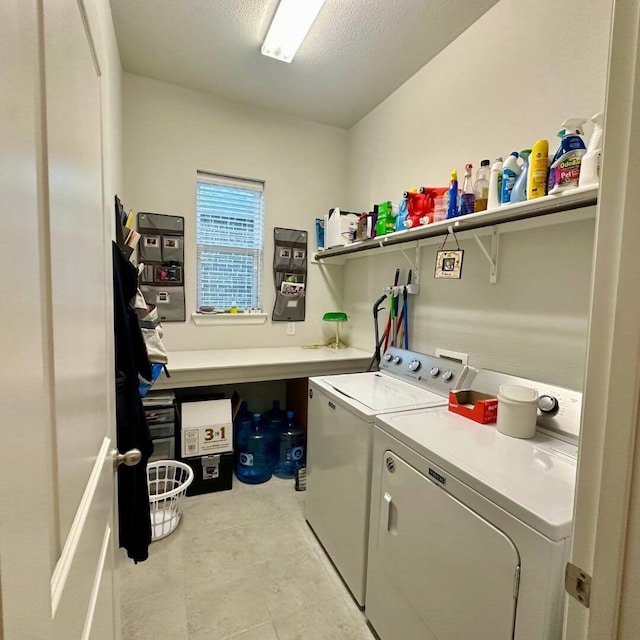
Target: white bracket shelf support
(492,257)
(415,266)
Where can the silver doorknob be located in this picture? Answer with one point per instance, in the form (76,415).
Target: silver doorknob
(129,458)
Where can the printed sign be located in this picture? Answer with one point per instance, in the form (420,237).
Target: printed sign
(206,428)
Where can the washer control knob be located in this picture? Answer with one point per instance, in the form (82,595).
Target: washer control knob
(434,372)
(447,375)
(548,404)
(414,365)
(388,357)
(397,360)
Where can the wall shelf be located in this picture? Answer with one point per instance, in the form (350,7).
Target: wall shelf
(566,202)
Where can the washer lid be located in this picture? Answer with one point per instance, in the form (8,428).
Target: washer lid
(534,479)
(379,392)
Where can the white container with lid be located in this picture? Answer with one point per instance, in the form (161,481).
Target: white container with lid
(517,411)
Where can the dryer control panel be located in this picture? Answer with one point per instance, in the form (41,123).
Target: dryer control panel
(559,409)
(437,374)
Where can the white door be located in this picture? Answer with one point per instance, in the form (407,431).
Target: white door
(56,534)
(606,541)
(454,570)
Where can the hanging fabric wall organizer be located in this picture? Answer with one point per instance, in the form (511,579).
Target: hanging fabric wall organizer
(289,274)
(161,250)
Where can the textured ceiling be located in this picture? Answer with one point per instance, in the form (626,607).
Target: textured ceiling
(356,54)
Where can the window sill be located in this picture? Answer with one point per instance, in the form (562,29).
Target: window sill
(235,319)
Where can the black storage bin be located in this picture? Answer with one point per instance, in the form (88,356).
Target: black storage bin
(211,473)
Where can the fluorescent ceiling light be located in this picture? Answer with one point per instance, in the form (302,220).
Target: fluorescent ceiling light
(290,25)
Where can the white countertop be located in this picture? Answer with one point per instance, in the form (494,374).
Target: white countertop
(222,366)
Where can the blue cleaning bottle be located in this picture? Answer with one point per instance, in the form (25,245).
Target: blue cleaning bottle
(452,209)
(291,450)
(254,455)
(510,172)
(402,212)
(519,191)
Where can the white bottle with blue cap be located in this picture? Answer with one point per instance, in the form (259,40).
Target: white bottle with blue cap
(510,172)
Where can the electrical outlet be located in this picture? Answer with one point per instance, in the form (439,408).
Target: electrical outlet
(291,328)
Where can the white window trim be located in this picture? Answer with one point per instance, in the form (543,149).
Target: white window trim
(208,319)
(247,318)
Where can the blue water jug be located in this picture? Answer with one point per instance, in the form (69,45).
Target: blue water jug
(254,454)
(274,421)
(242,424)
(291,450)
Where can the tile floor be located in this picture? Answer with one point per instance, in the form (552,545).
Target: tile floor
(242,565)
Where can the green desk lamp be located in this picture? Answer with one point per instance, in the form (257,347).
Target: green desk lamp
(337,317)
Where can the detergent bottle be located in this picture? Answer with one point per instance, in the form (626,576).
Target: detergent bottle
(429,195)
(452,210)
(495,184)
(590,169)
(519,191)
(403,212)
(538,167)
(564,172)
(510,172)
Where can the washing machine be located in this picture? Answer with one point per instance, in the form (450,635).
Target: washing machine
(470,529)
(341,413)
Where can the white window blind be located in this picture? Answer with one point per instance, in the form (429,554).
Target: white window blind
(230,240)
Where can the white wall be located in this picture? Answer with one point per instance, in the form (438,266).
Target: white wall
(511,78)
(170,133)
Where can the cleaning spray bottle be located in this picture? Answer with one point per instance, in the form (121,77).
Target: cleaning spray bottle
(510,172)
(538,167)
(468,198)
(452,210)
(564,171)
(495,184)
(591,160)
(519,191)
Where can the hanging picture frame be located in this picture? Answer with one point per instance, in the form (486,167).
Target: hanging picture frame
(449,261)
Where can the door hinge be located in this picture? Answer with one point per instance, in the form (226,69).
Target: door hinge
(516,583)
(577,583)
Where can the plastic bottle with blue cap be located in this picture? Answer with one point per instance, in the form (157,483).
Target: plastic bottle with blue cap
(291,450)
(254,455)
(510,172)
(519,191)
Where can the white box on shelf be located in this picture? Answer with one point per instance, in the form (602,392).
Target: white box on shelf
(206,428)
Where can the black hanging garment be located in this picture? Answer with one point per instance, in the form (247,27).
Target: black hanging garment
(131,361)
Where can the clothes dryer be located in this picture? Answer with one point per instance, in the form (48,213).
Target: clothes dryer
(470,529)
(342,410)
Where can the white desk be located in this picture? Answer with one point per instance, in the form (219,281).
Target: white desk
(224,366)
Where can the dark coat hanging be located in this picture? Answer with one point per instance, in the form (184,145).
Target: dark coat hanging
(131,361)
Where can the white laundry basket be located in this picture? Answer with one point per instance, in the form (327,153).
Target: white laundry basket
(168,481)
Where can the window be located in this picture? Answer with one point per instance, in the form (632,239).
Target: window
(230,239)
